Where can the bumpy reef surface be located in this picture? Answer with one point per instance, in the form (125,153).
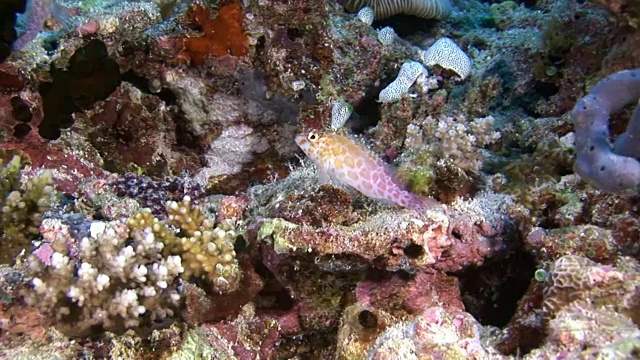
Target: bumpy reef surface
(154,203)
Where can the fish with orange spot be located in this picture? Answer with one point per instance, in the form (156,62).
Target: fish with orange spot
(342,159)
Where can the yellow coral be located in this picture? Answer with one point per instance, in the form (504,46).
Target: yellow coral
(206,248)
(21,207)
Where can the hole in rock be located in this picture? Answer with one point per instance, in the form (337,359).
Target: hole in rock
(491,292)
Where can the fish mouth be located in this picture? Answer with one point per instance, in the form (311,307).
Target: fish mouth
(300,139)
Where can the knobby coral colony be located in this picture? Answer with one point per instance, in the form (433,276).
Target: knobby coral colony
(22,204)
(302,123)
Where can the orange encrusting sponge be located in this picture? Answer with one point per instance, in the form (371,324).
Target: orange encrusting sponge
(221,36)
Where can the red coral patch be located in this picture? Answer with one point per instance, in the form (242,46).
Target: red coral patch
(221,36)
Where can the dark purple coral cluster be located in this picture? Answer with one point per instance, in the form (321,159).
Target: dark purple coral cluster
(154,194)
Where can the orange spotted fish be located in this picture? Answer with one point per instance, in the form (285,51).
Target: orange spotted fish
(340,158)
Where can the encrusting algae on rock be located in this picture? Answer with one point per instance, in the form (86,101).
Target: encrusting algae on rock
(340,158)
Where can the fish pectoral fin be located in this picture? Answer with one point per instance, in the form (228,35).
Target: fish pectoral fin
(324,178)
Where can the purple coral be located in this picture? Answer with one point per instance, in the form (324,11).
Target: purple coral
(608,168)
(32,21)
(155,193)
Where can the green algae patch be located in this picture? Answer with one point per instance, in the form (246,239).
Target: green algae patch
(274,231)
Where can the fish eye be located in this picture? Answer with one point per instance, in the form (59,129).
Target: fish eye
(312,136)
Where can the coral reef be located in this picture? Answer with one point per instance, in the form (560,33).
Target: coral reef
(453,138)
(117,275)
(206,249)
(436,333)
(163,189)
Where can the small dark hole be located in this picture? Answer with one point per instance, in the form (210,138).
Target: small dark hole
(293,34)
(15,101)
(367,319)
(240,245)
(413,251)
(21,130)
(49,132)
(65,121)
(407,275)
(591,148)
(456,234)
(99,215)
(602,168)
(67,199)
(20,109)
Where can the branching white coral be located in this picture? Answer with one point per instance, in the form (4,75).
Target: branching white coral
(113,280)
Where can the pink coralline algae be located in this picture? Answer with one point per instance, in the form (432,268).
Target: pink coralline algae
(436,333)
(391,242)
(69,169)
(413,295)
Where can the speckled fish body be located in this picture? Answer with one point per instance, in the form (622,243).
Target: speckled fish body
(344,160)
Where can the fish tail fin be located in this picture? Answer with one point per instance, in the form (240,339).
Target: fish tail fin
(422,203)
